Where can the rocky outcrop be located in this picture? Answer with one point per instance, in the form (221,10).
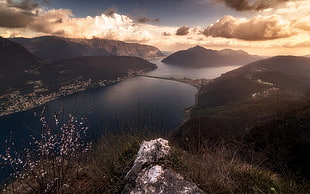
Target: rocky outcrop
(151,173)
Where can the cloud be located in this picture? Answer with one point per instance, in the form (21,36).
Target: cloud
(63,22)
(247,5)
(303,23)
(13,18)
(52,21)
(166,34)
(19,13)
(28,16)
(11,34)
(182,31)
(254,29)
(286,27)
(110,12)
(146,20)
(25,4)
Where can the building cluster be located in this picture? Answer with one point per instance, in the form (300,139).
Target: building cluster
(17,101)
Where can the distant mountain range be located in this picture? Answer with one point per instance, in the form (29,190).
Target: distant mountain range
(52,48)
(198,57)
(27,81)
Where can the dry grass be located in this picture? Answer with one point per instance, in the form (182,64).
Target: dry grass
(216,170)
(107,165)
(219,170)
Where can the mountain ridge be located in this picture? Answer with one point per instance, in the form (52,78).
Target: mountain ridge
(53,48)
(27,81)
(232,103)
(16,62)
(198,57)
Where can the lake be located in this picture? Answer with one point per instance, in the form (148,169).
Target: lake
(165,70)
(163,100)
(137,103)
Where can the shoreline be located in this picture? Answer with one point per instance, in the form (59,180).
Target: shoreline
(197,83)
(59,95)
(56,98)
(187,112)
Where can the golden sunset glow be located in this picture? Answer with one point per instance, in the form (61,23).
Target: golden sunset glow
(278,29)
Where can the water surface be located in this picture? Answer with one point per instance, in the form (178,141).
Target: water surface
(138,103)
(165,70)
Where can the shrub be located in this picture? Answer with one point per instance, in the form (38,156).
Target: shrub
(47,164)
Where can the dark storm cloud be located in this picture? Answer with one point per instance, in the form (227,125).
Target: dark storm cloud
(19,14)
(110,12)
(146,20)
(11,18)
(247,5)
(182,31)
(59,21)
(166,34)
(59,32)
(25,4)
(254,29)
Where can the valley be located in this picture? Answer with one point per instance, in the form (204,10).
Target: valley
(147,97)
(38,82)
(198,106)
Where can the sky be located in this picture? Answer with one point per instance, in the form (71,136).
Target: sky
(262,27)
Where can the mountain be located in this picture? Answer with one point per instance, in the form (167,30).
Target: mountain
(285,141)
(17,65)
(27,81)
(94,68)
(98,67)
(198,57)
(254,93)
(258,80)
(53,48)
(119,48)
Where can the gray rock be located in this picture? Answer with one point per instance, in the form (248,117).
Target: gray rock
(150,173)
